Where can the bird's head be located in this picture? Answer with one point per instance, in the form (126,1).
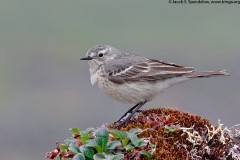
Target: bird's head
(99,55)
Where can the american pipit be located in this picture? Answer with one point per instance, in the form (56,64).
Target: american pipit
(133,79)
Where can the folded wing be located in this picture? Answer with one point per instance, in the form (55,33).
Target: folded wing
(148,70)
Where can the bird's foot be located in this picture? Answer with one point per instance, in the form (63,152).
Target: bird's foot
(139,111)
(124,120)
(127,116)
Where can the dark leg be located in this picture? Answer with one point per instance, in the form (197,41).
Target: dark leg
(125,118)
(128,112)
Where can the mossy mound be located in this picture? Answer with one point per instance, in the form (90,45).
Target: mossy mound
(180,135)
(158,134)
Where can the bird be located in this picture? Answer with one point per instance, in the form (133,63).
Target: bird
(133,79)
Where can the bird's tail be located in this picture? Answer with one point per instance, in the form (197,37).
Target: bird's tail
(207,74)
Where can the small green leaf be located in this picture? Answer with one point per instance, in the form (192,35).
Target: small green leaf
(114,157)
(146,153)
(141,142)
(135,131)
(75,149)
(125,142)
(63,147)
(114,144)
(102,132)
(84,135)
(87,131)
(133,138)
(102,137)
(94,143)
(129,147)
(102,142)
(85,138)
(99,156)
(79,156)
(118,134)
(87,151)
(74,130)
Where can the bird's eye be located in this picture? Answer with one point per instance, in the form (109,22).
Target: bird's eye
(100,54)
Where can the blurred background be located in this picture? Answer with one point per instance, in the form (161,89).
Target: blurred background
(45,88)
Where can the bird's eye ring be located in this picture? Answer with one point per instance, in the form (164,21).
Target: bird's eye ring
(100,54)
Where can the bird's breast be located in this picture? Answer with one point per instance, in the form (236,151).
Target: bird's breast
(95,76)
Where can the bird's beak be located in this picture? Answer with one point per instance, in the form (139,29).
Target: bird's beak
(86,58)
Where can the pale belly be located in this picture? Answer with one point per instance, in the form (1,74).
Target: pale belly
(132,92)
(135,92)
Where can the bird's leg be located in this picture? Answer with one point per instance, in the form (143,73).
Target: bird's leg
(128,112)
(125,118)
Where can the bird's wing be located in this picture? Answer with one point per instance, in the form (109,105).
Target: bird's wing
(147,70)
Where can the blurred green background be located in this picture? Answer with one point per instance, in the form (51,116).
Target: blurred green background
(45,88)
